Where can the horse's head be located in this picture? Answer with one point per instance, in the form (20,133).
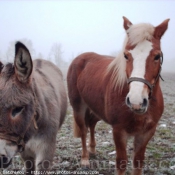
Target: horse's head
(16,104)
(143,62)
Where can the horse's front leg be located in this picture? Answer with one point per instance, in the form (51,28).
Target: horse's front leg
(140,143)
(92,142)
(120,139)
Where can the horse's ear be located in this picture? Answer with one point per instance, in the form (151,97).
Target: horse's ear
(160,29)
(23,62)
(126,23)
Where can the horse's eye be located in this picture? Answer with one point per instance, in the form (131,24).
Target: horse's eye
(17,110)
(126,57)
(157,57)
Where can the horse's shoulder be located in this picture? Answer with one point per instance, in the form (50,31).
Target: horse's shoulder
(92,57)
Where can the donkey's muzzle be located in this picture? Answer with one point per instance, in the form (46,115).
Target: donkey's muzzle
(138,108)
(4,161)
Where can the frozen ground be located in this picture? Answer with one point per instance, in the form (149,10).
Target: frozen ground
(160,153)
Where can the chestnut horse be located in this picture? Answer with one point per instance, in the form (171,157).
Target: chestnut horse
(33,104)
(123,91)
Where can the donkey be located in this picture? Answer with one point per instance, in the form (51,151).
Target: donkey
(123,91)
(33,104)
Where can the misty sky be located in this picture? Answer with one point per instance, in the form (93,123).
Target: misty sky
(81,26)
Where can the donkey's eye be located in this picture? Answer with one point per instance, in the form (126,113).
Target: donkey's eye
(16,110)
(126,57)
(157,57)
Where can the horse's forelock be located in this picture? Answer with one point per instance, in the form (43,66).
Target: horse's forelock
(140,32)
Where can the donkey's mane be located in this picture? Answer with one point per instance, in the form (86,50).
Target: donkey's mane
(7,70)
(135,34)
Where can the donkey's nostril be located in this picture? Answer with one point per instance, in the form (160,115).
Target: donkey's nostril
(145,103)
(4,161)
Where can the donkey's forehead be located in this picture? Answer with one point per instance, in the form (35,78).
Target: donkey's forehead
(14,95)
(11,90)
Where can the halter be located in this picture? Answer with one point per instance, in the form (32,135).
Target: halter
(18,139)
(151,86)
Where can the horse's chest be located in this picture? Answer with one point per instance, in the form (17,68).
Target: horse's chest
(142,125)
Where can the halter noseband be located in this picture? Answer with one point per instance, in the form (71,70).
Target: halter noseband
(151,86)
(19,140)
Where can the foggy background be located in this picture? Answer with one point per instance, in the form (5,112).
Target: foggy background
(60,30)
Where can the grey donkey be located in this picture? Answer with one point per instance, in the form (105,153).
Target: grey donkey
(33,104)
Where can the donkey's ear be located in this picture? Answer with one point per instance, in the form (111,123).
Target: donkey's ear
(126,23)
(160,29)
(23,62)
(1,66)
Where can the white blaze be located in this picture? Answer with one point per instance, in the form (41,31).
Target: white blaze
(139,54)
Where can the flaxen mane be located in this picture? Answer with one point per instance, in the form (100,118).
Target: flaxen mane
(135,34)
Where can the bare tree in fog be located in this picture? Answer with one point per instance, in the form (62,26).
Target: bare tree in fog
(169,65)
(40,55)
(11,49)
(55,56)
(1,57)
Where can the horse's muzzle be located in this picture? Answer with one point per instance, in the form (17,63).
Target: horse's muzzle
(4,162)
(138,108)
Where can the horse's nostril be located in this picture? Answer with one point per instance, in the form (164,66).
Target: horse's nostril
(145,103)
(128,101)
